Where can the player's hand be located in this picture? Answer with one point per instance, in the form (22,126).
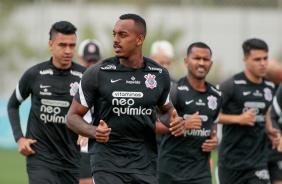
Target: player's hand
(248,118)
(177,124)
(274,136)
(193,122)
(82,141)
(210,144)
(102,132)
(24,146)
(279,147)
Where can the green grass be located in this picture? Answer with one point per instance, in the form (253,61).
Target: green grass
(214,156)
(12,168)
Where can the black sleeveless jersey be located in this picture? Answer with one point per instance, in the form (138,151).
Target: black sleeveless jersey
(181,159)
(276,117)
(51,91)
(126,100)
(245,147)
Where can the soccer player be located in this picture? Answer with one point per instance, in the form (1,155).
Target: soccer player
(52,155)
(186,159)
(275,157)
(89,53)
(124,91)
(274,74)
(245,118)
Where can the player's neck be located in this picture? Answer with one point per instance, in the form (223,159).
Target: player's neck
(253,78)
(132,62)
(197,84)
(61,66)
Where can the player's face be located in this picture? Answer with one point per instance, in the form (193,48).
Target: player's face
(126,38)
(198,63)
(256,63)
(162,59)
(63,49)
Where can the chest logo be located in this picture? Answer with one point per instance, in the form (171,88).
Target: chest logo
(113,81)
(74,88)
(245,93)
(46,72)
(150,81)
(188,102)
(183,88)
(45,90)
(212,102)
(267,94)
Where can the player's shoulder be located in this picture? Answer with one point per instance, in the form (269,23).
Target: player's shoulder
(237,79)
(42,68)
(78,67)
(153,66)
(213,90)
(268,83)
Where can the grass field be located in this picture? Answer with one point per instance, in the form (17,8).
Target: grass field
(13,168)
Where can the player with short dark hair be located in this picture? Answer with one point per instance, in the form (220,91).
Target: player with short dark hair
(124,91)
(186,159)
(52,154)
(245,118)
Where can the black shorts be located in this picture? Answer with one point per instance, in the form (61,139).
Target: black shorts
(42,174)
(275,170)
(252,176)
(102,177)
(85,168)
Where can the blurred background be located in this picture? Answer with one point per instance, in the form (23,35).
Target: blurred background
(222,24)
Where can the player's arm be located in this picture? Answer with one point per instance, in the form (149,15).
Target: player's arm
(274,116)
(246,118)
(83,99)
(168,117)
(21,92)
(77,124)
(273,133)
(161,128)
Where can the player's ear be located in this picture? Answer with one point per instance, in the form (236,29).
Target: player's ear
(50,45)
(140,39)
(186,61)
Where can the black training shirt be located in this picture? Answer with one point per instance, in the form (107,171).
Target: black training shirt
(181,159)
(126,100)
(245,147)
(51,91)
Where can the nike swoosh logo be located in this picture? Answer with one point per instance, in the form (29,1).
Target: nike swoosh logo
(41,86)
(113,81)
(245,93)
(187,103)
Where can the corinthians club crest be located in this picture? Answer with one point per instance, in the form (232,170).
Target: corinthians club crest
(74,88)
(150,81)
(212,102)
(267,94)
